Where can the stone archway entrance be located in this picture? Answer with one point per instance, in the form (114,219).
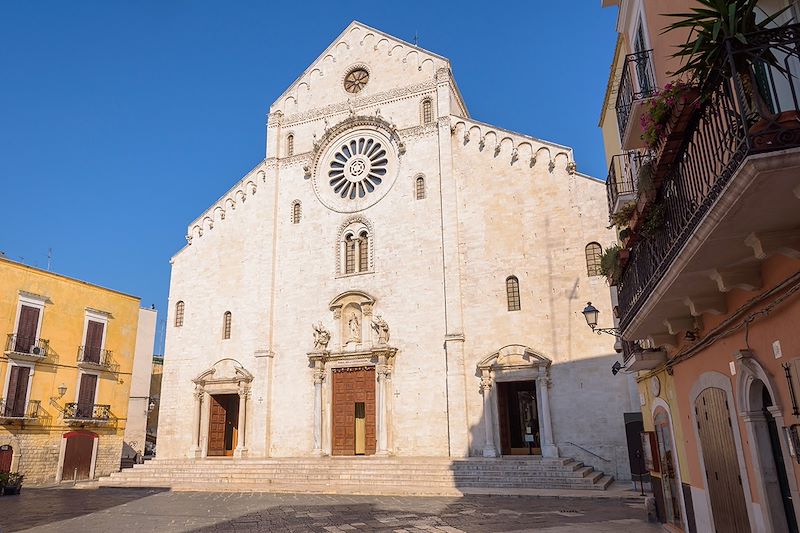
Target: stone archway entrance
(224,389)
(516,403)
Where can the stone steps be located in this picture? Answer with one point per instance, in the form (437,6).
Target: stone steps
(367,475)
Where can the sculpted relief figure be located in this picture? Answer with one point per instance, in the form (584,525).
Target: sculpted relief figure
(354,326)
(381,329)
(321,337)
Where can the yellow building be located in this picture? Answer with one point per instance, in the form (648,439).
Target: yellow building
(66,368)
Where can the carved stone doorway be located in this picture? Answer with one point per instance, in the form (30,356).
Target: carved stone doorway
(223,424)
(518,418)
(353,411)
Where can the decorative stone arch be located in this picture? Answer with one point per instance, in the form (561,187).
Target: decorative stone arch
(515,362)
(354,226)
(226,376)
(718,380)
(427,100)
(751,380)
(344,306)
(296,212)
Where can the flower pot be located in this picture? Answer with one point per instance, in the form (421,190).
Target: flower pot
(11,490)
(624,257)
(629,241)
(668,147)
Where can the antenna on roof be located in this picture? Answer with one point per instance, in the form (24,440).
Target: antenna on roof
(49,258)
(416,39)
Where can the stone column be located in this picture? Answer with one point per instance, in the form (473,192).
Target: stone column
(545,424)
(382,373)
(488,427)
(241,442)
(319,377)
(194,451)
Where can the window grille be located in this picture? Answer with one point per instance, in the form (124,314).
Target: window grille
(420,188)
(179,309)
(593,253)
(226,325)
(512,293)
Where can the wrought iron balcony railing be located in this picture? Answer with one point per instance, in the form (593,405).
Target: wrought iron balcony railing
(622,178)
(30,347)
(637,82)
(19,410)
(77,411)
(93,355)
(755,110)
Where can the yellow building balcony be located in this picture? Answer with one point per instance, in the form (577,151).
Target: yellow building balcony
(19,412)
(81,414)
(25,348)
(95,358)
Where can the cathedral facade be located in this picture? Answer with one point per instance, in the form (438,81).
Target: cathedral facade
(394,278)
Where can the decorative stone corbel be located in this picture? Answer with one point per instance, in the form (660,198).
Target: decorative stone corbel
(572,167)
(680,323)
(401,147)
(497,149)
(551,166)
(189,239)
(663,339)
(306,171)
(466,137)
(482,143)
(786,242)
(746,277)
(698,305)
(533,161)
(514,155)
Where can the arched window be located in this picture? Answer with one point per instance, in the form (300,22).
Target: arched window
(363,251)
(179,309)
(226,325)
(512,293)
(427,111)
(289,145)
(296,212)
(420,187)
(349,254)
(593,253)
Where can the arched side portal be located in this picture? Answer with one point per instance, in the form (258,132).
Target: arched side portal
(516,402)
(224,389)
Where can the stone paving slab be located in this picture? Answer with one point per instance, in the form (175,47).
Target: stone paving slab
(144,510)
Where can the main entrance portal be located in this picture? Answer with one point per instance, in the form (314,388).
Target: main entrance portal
(223,424)
(518,419)
(353,411)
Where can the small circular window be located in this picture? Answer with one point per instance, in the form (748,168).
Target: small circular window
(357,168)
(355,80)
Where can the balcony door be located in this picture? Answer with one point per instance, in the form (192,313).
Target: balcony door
(94,341)
(26,329)
(86,395)
(17,391)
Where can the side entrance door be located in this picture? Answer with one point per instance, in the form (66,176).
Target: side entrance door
(78,455)
(6,454)
(724,483)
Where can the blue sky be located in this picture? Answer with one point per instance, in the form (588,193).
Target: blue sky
(122,121)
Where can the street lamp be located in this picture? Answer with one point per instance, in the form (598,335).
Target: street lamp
(590,313)
(62,390)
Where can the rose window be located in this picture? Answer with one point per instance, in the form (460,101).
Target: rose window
(356,80)
(357,168)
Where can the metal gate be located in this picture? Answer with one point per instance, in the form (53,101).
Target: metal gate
(723,481)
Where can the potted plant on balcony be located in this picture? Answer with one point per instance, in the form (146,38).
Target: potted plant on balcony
(654,221)
(623,215)
(664,121)
(610,263)
(11,483)
(713,27)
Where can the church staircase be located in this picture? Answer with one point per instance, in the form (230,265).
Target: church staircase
(362,475)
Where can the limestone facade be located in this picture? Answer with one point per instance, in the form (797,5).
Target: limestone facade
(459,208)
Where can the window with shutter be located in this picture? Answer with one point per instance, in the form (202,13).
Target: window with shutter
(94,341)
(26,329)
(86,395)
(17,391)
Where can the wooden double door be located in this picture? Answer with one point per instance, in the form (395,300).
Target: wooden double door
(353,411)
(78,451)
(223,424)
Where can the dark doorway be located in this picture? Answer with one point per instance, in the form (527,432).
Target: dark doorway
(223,424)
(78,455)
(780,466)
(354,411)
(518,418)
(6,454)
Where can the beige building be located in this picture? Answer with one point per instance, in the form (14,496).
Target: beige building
(395,278)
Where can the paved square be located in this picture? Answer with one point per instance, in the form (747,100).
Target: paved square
(144,510)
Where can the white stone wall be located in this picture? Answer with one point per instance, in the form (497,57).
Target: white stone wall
(440,266)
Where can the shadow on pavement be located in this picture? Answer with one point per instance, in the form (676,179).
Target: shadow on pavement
(34,507)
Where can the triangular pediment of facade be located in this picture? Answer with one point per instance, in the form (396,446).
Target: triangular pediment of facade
(392,64)
(514,356)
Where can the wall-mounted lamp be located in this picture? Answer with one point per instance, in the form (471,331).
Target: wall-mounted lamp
(590,313)
(62,390)
(151,406)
